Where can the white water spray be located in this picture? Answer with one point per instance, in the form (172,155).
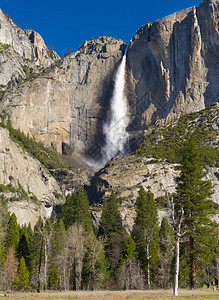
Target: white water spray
(115,127)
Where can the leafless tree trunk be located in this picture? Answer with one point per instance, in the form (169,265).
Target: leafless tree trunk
(148,265)
(74,254)
(147,239)
(176,273)
(177,226)
(45,266)
(132,276)
(46,237)
(40,264)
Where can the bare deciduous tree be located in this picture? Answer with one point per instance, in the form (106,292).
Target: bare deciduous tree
(73,255)
(177,222)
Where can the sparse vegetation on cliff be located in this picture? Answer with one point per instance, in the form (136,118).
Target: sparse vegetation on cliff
(49,158)
(164,142)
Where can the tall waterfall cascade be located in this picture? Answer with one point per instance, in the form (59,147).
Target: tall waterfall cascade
(116,137)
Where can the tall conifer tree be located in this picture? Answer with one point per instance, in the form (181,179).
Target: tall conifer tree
(112,230)
(24,249)
(12,235)
(111,221)
(23,275)
(56,254)
(77,209)
(146,231)
(194,196)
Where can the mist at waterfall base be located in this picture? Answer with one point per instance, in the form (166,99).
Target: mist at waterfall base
(116,137)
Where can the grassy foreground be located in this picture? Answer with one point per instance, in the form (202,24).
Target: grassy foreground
(117,295)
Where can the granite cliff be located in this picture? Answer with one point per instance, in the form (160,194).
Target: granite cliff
(155,168)
(64,107)
(25,184)
(172,69)
(173,65)
(21,52)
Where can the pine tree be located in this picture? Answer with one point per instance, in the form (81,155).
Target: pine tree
(12,235)
(113,232)
(23,248)
(47,234)
(38,253)
(58,255)
(4,219)
(111,221)
(68,210)
(194,197)
(77,209)
(127,251)
(58,242)
(146,231)
(53,279)
(23,275)
(82,212)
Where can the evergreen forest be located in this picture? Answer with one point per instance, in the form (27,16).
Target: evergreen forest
(64,252)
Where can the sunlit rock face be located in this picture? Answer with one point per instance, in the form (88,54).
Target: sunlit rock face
(173,65)
(20,52)
(66,105)
(172,68)
(34,188)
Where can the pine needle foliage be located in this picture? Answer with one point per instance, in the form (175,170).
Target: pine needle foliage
(194,196)
(165,141)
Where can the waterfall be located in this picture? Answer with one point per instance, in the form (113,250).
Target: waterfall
(114,129)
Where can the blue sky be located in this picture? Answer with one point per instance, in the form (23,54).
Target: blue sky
(68,23)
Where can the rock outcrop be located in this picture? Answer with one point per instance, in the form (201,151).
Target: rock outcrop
(25,183)
(125,174)
(21,52)
(65,106)
(173,65)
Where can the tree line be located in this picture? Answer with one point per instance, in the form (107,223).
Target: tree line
(65,253)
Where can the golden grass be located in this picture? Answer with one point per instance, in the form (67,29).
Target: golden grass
(199,294)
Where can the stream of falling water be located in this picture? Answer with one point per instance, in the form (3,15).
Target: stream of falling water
(116,137)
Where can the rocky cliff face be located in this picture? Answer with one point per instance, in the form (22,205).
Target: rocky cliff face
(21,52)
(24,183)
(65,106)
(125,174)
(173,65)
(172,69)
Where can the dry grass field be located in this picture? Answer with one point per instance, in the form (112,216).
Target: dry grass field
(120,295)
